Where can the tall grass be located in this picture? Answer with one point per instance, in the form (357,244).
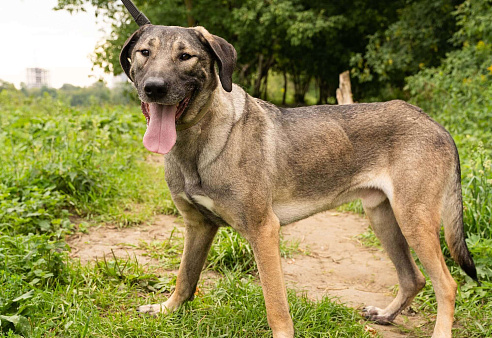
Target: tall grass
(56,160)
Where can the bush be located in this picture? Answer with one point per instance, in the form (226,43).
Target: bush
(459,95)
(28,264)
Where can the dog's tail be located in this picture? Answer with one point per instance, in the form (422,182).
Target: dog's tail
(452,217)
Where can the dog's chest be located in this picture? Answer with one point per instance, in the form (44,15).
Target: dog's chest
(208,188)
(206,206)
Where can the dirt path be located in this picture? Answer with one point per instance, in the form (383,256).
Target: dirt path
(335,263)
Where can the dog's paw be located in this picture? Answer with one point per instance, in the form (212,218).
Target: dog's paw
(152,309)
(376,315)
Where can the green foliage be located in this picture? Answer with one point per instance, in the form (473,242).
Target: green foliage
(481,248)
(99,301)
(27,263)
(168,252)
(382,42)
(473,303)
(458,94)
(474,21)
(32,209)
(35,259)
(462,80)
(464,77)
(420,38)
(4,85)
(95,94)
(230,252)
(477,191)
(56,158)
(304,40)
(58,161)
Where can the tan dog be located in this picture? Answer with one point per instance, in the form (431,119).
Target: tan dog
(233,160)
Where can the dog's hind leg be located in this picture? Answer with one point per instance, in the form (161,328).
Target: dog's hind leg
(420,224)
(411,280)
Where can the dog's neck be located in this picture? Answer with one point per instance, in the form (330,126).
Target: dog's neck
(208,130)
(197,118)
(204,106)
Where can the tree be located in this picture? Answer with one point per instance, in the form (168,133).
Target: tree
(383,40)
(465,75)
(4,85)
(420,38)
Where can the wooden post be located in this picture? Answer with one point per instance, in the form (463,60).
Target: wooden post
(344,93)
(189,17)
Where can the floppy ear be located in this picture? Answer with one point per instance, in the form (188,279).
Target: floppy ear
(126,51)
(224,53)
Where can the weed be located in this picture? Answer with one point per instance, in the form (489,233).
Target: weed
(368,238)
(168,252)
(230,252)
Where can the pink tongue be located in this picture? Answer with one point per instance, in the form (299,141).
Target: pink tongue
(160,136)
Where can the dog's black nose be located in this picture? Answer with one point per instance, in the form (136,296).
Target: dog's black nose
(155,88)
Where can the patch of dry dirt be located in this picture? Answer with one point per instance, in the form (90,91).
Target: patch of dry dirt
(338,265)
(335,263)
(123,242)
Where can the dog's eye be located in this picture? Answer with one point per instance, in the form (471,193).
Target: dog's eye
(145,52)
(184,57)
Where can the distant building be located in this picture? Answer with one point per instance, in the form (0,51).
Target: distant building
(37,77)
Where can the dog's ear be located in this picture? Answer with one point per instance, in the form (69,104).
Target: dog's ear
(126,51)
(224,53)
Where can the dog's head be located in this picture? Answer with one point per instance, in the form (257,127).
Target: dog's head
(174,73)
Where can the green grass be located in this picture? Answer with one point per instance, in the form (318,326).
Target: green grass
(56,158)
(168,252)
(100,301)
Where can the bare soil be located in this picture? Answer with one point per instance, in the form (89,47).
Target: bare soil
(332,262)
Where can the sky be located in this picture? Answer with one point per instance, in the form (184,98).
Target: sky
(34,35)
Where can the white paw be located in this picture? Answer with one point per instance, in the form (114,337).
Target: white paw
(153,309)
(372,310)
(377,315)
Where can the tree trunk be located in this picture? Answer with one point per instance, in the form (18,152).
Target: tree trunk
(344,93)
(301,86)
(264,66)
(259,77)
(265,87)
(284,94)
(323,89)
(244,75)
(189,17)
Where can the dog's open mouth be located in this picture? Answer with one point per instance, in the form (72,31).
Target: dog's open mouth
(160,136)
(180,108)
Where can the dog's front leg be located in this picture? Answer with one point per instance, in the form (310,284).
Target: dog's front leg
(198,240)
(265,243)
(199,235)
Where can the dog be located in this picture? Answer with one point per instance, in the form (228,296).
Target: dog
(234,160)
